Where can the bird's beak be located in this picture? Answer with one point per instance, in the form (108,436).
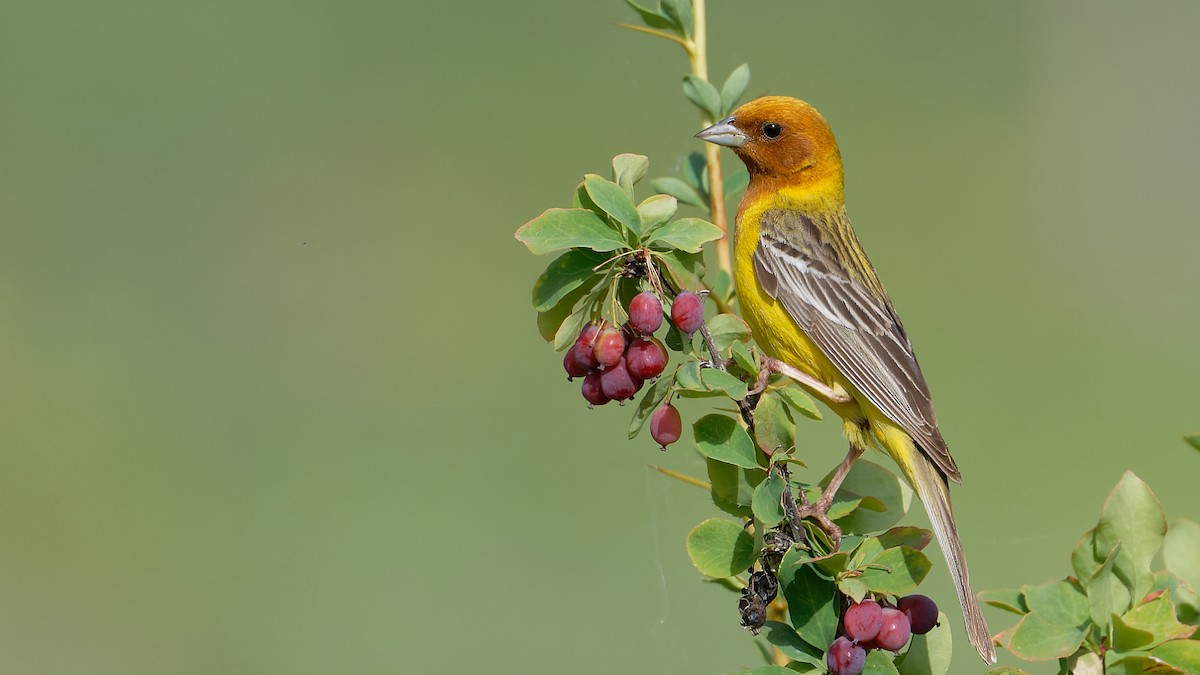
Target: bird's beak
(723,133)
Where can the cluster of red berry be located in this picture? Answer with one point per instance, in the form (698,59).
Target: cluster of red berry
(868,625)
(615,362)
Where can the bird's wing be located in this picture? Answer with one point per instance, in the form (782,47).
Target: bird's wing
(813,264)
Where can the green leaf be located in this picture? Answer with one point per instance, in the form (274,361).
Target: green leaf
(744,359)
(1104,593)
(929,654)
(812,600)
(653,397)
(629,169)
(1038,639)
(701,92)
(558,229)
(581,200)
(774,428)
(735,85)
(727,329)
(733,487)
(687,377)
(720,548)
(1193,440)
(679,190)
(800,402)
(568,272)
(843,506)
(569,331)
(695,172)
(1132,516)
(869,479)
(650,17)
(685,234)
(679,12)
(551,320)
(717,380)
(656,210)
(1181,593)
(879,662)
(1055,625)
(1006,670)
(1010,599)
(1117,663)
(721,438)
(853,588)
(1181,551)
(582,313)
(736,182)
(766,504)
(1084,663)
(1083,555)
(1061,602)
(785,638)
(906,535)
(615,202)
(896,571)
(1156,619)
(1181,654)
(687,269)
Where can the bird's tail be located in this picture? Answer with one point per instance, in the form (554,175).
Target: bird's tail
(934,491)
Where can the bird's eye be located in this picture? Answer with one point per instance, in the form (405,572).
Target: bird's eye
(772,130)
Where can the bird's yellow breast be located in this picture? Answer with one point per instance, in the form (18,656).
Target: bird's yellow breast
(774,329)
(775,332)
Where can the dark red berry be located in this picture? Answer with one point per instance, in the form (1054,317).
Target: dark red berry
(845,658)
(862,621)
(617,383)
(593,390)
(646,358)
(895,631)
(687,312)
(584,347)
(645,312)
(921,611)
(609,347)
(665,425)
(573,367)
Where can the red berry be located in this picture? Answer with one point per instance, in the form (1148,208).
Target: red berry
(862,621)
(572,365)
(646,358)
(895,631)
(609,347)
(687,312)
(665,425)
(593,390)
(845,658)
(617,383)
(584,353)
(921,611)
(645,312)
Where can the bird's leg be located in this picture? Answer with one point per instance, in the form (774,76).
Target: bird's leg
(770,365)
(817,510)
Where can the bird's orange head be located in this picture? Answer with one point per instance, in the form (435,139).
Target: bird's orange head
(782,141)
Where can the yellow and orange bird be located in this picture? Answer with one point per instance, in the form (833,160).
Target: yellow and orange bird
(819,312)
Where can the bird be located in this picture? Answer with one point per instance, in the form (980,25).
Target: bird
(821,316)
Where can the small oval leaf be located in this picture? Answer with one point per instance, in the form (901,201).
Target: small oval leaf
(720,548)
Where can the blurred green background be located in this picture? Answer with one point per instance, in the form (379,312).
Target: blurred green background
(273,397)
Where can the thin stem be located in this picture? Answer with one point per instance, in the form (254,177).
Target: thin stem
(712,153)
(687,45)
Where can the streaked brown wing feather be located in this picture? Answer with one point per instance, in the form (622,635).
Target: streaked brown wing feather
(815,267)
